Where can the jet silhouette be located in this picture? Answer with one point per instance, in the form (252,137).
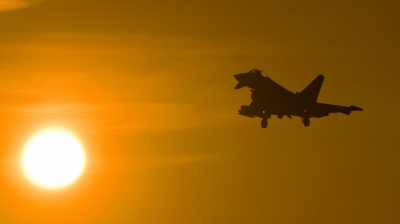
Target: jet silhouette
(269,98)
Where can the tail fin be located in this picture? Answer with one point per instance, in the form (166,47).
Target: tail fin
(311,92)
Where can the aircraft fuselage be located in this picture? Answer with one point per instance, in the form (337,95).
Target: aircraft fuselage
(269,98)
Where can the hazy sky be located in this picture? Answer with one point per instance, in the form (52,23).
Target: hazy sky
(147,86)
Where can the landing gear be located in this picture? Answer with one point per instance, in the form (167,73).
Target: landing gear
(306,121)
(264,123)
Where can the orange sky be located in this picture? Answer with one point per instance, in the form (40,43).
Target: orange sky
(147,87)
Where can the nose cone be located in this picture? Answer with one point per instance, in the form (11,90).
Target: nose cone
(250,79)
(240,77)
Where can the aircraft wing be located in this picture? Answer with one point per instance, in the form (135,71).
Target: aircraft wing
(322,109)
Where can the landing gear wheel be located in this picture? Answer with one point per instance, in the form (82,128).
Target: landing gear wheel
(306,122)
(264,123)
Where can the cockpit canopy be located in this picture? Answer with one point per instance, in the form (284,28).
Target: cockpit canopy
(259,72)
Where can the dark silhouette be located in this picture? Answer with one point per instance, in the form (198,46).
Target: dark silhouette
(269,98)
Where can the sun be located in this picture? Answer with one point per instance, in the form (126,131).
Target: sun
(53,158)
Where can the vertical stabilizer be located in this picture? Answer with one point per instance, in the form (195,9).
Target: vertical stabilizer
(311,92)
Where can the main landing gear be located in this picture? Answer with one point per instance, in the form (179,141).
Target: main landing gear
(264,123)
(306,121)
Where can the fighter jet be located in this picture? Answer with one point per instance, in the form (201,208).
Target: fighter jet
(269,98)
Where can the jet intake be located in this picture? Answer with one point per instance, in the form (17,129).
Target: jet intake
(256,95)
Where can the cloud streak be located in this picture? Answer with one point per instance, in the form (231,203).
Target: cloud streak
(7,5)
(117,117)
(140,163)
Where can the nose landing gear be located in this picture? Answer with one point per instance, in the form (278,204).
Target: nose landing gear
(264,123)
(306,121)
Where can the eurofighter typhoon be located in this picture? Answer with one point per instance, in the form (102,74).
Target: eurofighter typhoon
(269,98)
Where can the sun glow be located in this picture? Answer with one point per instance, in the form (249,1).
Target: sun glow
(53,158)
